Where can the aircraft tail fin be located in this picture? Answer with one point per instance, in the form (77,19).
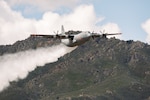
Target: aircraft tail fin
(62,30)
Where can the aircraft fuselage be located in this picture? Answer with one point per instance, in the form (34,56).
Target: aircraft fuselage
(72,40)
(77,39)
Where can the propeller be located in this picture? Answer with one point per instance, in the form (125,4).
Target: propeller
(70,37)
(56,33)
(92,34)
(104,34)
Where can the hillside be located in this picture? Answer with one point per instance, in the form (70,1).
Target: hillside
(101,69)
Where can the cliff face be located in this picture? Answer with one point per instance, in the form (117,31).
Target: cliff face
(101,69)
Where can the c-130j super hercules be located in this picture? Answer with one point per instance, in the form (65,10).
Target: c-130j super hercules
(72,40)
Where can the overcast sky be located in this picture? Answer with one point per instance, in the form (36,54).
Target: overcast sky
(20,18)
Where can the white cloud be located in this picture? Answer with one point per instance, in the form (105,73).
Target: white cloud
(13,26)
(146,27)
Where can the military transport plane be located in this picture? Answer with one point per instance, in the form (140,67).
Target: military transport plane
(72,40)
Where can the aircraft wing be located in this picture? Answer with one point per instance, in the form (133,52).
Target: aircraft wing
(105,34)
(113,34)
(58,36)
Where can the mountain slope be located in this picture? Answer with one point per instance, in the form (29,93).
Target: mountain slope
(101,69)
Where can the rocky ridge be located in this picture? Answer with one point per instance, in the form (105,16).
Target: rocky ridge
(101,69)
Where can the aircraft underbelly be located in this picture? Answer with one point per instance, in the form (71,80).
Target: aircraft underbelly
(77,42)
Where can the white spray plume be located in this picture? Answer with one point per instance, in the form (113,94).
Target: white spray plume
(17,66)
